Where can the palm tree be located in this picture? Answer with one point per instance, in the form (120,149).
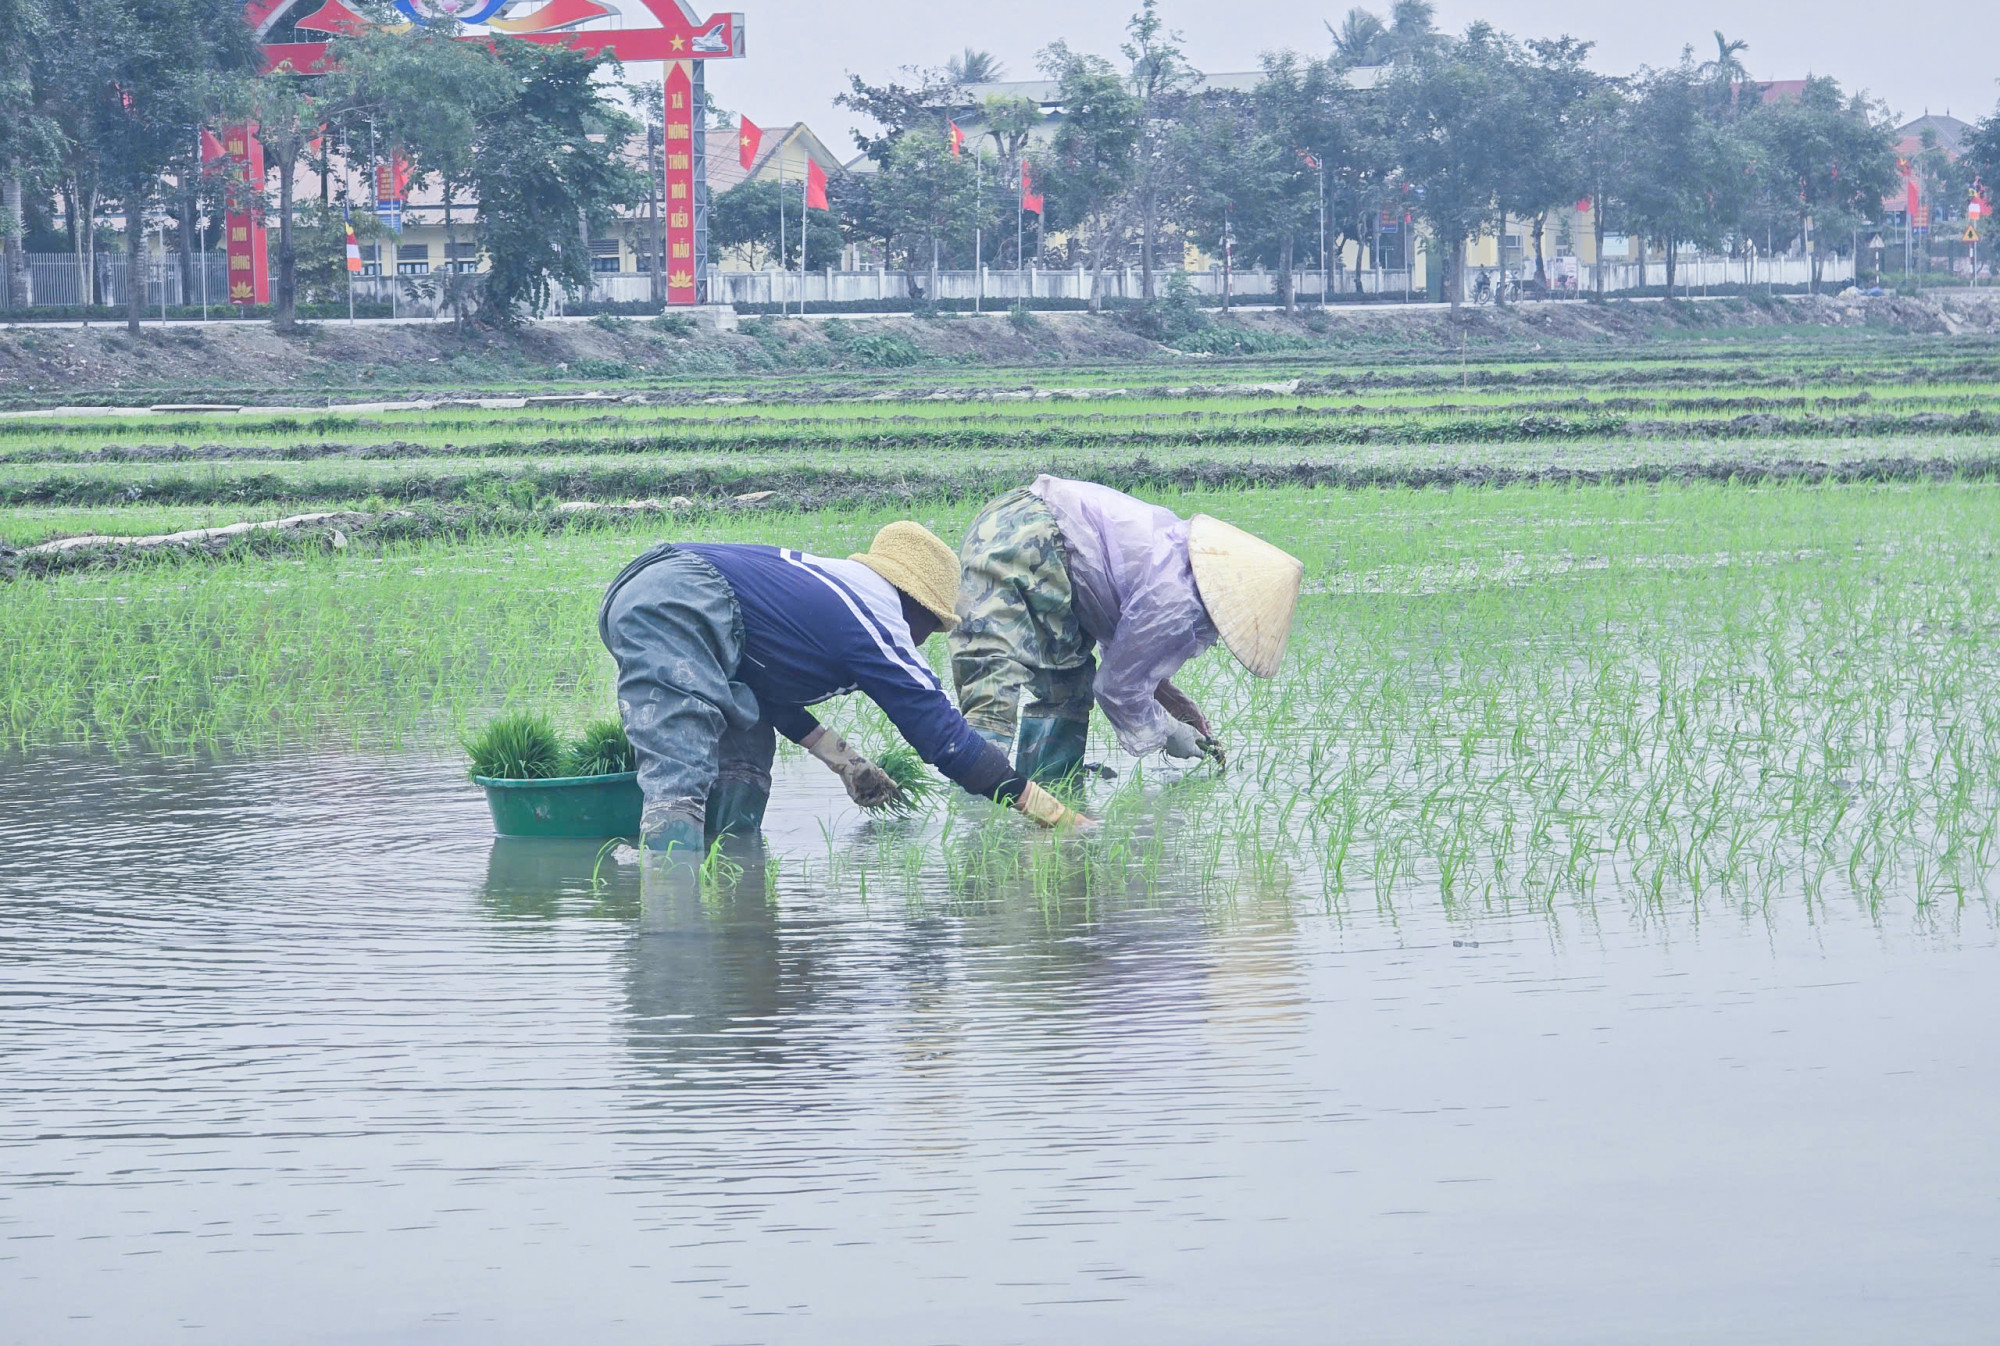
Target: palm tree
(1412,29)
(1726,75)
(975,67)
(1361,39)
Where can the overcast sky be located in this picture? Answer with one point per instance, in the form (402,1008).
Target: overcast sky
(800,53)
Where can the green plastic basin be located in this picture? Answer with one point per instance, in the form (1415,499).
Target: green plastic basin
(565,806)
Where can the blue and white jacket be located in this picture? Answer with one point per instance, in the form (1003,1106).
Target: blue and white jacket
(816,628)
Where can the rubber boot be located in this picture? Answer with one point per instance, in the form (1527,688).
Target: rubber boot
(736,808)
(1050,750)
(676,841)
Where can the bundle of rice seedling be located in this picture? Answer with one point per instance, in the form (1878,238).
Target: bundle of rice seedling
(601,750)
(521,746)
(915,785)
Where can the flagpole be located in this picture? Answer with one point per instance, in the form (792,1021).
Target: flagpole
(1322,235)
(978,270)
(784,303)
(201,236)
(805,189)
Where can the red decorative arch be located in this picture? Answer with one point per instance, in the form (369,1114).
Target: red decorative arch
(677,34)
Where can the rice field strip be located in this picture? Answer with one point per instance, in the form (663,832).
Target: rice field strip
(1665,703)
(1301,426)
(1741,664)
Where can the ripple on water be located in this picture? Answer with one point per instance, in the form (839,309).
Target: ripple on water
(297,1042)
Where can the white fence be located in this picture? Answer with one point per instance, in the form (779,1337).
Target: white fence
(1696,272)
(1002,287)
(54,281)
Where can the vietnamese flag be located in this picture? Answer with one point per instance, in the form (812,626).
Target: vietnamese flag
(748,137)
(815,186)
(1030,198)
(957,139)
(211,147)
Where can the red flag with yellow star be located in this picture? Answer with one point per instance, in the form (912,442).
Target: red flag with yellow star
(748,136)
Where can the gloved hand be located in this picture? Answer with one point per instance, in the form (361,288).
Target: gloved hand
(1049,811)
(867,784)
(1183,740)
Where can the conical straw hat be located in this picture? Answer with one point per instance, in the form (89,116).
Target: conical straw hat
(1250,588)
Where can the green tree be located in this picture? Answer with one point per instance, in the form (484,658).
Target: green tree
(1543,168)
(1834,157)
(1009,123)
(746,217)
(288,111)
(1600,145)
(1686,177)
(1290,105)
(1363,39)
(1730,90)
(428,93)
(120,86)
(1456,113)
(1092,165)
(27,142)
(933,99)
(548,168)
(1981,152)
(923,202)
(975,67)
(1162,81)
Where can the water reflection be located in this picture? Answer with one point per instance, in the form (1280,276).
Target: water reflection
(280,1028)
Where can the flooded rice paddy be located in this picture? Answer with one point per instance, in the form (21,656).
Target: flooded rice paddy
(1593,938)
(298,1050)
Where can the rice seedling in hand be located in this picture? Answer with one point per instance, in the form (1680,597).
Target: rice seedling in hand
(521,746)
(601,750)
(915,785)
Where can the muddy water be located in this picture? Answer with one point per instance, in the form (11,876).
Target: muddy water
(296,1051)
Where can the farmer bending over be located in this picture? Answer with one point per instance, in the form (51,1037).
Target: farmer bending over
(721,646)
(1055,569)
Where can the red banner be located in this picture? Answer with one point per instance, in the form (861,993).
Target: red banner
(243,220)
(680,184)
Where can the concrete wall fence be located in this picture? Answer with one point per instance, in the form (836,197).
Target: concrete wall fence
(55,281)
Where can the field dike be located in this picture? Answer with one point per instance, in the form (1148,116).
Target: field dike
(697,495)
(55,365)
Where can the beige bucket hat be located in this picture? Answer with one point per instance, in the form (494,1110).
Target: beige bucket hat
(1250,588)
(916,560)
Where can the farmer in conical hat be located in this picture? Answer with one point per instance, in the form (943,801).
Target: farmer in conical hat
(722,646)
(1058,570)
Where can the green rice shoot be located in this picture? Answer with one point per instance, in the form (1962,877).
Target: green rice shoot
(601,750)
(520,746)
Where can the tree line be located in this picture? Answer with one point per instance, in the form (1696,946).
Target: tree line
(1397,121)
(102,105)
(532,151)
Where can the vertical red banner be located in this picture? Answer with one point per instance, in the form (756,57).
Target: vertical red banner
(680,183)
(243,220)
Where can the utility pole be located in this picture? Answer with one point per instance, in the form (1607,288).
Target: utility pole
(1228,239)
